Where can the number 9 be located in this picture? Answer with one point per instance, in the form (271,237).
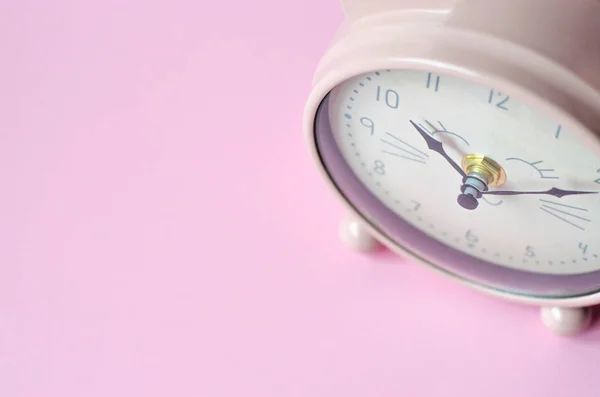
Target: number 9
(367,122)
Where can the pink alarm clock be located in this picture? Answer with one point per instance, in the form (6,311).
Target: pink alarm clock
(465,135)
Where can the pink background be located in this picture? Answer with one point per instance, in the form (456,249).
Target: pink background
(162,232)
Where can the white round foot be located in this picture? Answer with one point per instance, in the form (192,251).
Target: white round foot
(354,235)
(565,321)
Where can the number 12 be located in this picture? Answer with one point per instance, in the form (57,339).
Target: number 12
(503,99)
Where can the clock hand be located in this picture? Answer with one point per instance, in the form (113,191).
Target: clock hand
(438,147)
(551,192)
(484,172)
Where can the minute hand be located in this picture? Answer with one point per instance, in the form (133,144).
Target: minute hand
(551,192)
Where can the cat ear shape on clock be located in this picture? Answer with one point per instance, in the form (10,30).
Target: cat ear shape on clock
(470,143)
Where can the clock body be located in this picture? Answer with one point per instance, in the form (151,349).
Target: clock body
(511,91)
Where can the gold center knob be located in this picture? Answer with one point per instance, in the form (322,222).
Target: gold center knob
(485,167)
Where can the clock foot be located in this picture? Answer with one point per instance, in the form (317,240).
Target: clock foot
(565,321)
(356,237)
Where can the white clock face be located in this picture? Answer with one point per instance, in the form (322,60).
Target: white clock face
(539,232)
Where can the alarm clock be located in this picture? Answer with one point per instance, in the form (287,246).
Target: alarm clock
(465,136)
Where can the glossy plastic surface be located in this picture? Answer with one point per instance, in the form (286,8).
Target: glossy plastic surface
(504,44)
(565,321)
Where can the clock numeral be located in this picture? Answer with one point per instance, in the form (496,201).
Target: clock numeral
(416,205)
(583,247)
(392,99)
(558,131)
(367,122)
(471,238)
(530,251)
(379,167)
(433,81)
(569,214)
(401,149)
(498,99)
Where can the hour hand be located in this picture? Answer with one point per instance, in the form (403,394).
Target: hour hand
(438,147)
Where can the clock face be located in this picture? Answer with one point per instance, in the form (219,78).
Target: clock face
(470,168)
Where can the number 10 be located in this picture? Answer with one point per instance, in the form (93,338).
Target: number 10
(392,99)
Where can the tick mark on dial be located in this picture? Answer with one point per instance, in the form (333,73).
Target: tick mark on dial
(348,116)
(361,84)
(356,91)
